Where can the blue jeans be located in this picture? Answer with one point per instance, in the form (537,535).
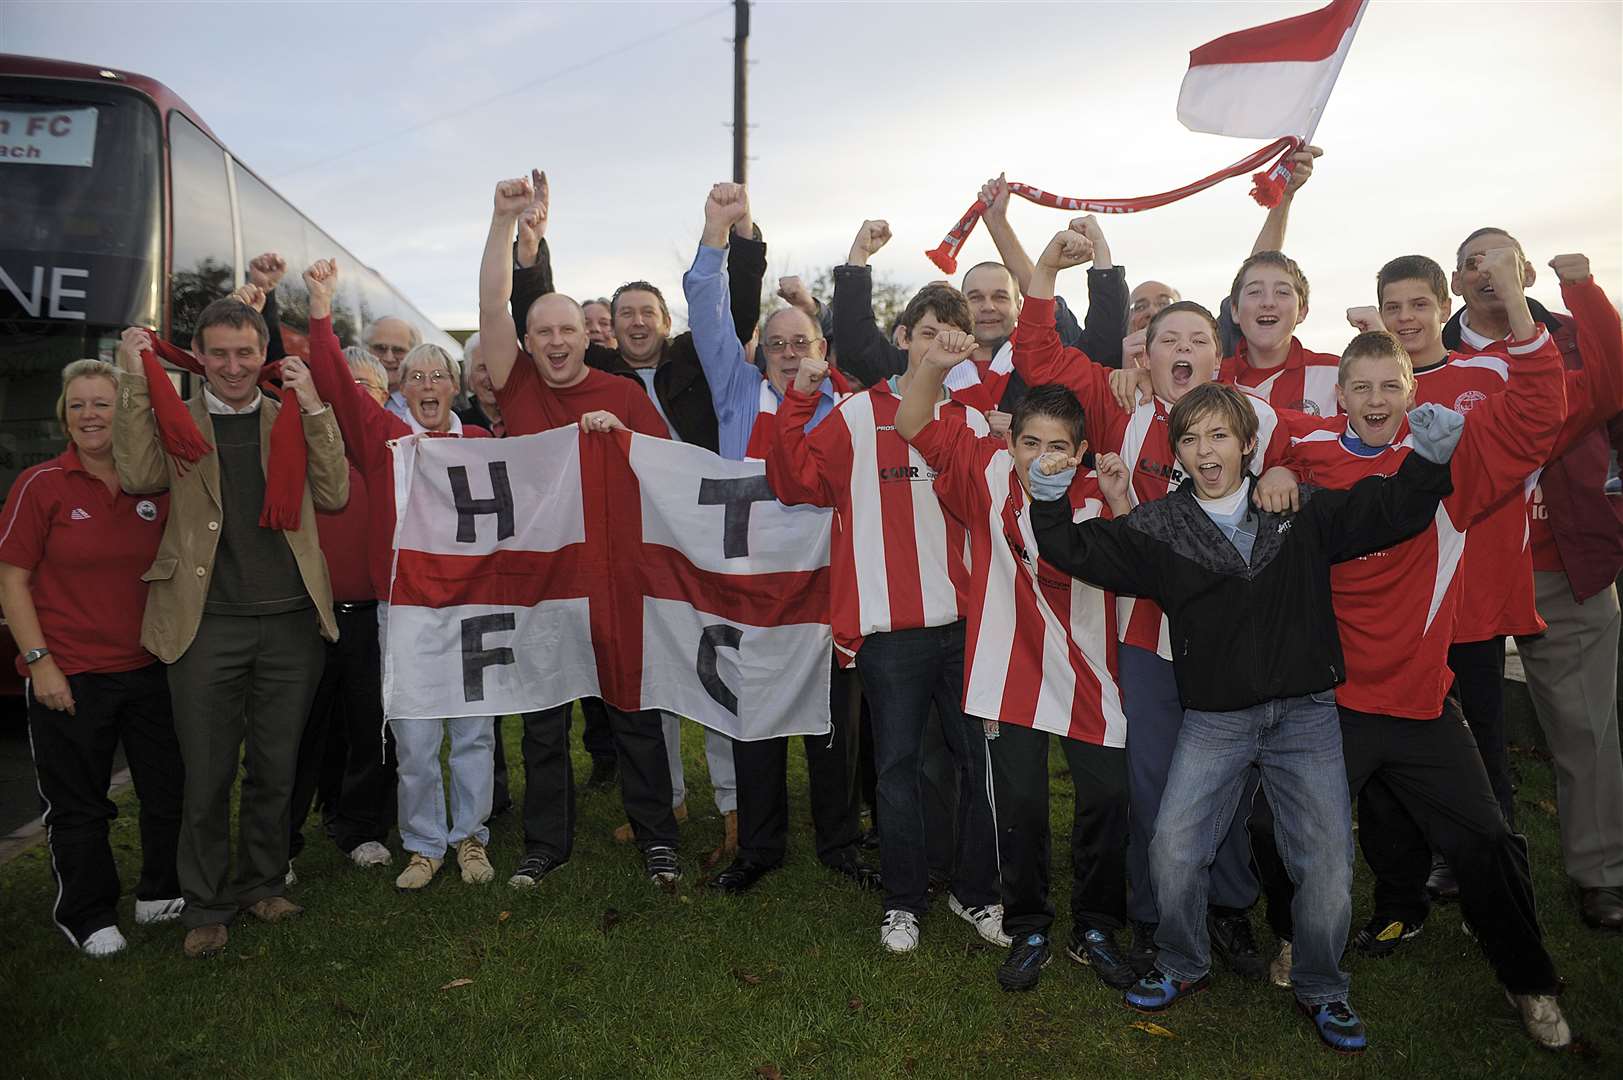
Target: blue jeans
(1149,695)
(903,673)
(1297,743)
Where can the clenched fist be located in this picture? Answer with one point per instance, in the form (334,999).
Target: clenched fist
(513,197)
(1571,269)
(1365,318)
(948,348)
(873,235)
(267,270)
(813,370)
(1068,248)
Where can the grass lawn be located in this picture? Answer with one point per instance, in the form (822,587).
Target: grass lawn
(599,974)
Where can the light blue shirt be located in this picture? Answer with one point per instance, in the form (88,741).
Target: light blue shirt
(735,383)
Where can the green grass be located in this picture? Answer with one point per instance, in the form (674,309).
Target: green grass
(598,974)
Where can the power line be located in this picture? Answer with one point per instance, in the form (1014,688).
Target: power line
(531,85)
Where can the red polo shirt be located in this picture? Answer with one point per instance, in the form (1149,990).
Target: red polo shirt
(529,405)
(88,548)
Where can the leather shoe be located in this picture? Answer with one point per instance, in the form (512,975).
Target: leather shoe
(1442,884)
(204,941)
(865,876)
(740,876)
(1602,908)
(273,909)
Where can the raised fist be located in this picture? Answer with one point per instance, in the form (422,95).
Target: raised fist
(995,194)
(873,235)
(250,294)
(266,270)
(1301,168)
(1053,462)
(513,197)
(131,344)
(1505,270)
(321,278)
(1068,248)
(998,421)
(793,292)
(813,370)
(948,348)
(1364,319)
(726,205)
(1571,268)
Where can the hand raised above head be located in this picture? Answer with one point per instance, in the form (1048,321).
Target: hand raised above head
(948,348)
(267,270)
(514,196)
(873,235)
(1364,318)
(1068,248)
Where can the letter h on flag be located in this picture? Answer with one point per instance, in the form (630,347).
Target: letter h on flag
(534,571)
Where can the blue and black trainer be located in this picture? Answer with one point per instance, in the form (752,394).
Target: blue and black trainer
(1098,949)
(1158,992)
(1023,966)
(1338,1026)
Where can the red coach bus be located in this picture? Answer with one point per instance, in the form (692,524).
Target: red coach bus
(119,207)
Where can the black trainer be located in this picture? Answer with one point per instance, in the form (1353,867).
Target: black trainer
(1023,966)
(1382,935)
(1142,952)
(1234,944)
(532,870)
(1098,949)
(605,771)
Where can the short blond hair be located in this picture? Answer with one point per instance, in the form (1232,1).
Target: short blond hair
(82,369)
(1376,343)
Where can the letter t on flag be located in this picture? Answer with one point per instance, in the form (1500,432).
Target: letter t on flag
(1270,80)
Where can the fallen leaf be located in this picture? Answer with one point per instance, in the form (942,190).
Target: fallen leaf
(855,1004)
(746,978)
(611,919)
(504,916)
(769,1072)
(1153,1029)
(454,983)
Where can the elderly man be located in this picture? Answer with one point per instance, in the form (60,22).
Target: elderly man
(390,339)
(237,608)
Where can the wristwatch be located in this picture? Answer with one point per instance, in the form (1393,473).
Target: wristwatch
(34,656)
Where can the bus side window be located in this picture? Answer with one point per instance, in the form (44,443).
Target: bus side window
(203,262)
(270,224)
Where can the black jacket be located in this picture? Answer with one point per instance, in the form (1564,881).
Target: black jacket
(1243,635)
(679,380)
(866,353)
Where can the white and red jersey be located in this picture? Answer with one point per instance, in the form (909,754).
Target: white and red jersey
(1305,382)
(898,561)
(1396,609)
(1141,437)
(1041,645)
(1497,593)
(981,386)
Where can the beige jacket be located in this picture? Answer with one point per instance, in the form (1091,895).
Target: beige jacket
(181,573)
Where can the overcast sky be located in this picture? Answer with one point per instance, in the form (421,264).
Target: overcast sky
(1447,117)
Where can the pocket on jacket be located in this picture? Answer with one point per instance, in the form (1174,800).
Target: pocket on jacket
(162,569)
(1324,697)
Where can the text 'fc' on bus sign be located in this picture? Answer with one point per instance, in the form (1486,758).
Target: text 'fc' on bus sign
(48,136)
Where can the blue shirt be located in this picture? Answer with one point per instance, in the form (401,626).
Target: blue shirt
(735,383)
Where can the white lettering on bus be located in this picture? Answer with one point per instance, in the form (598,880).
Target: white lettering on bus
(33,301)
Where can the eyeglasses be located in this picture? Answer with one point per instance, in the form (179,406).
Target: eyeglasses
(381,349)
(368,383)
(418,378)
(799,344)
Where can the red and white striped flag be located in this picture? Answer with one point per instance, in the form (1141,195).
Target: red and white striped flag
(1270,80)
(538,570)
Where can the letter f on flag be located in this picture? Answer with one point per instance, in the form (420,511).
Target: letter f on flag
(1270,80)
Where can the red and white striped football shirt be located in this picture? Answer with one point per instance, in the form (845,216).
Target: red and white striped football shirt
(1141,437)
(898,561)
(1305,382)
(1041,645)
(1397,608)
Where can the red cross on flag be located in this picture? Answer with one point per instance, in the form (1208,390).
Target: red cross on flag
(534,571)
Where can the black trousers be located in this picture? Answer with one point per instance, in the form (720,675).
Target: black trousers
(1098,831)
(346,723)
(1432,771)
(549,779)
(73,764)
(831,769)
(596,733)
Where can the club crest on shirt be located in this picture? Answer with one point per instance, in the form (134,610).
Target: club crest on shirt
(146,510)
(1469,400)
(1306,405)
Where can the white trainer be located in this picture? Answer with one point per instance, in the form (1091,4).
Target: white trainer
(1279,970)
(987,920)
(899,933)
(371,853)
(104,942)
(290,879)
(148,912)
(1542,1019)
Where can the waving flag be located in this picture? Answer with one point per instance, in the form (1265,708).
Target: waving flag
(537,570)
(1270,80)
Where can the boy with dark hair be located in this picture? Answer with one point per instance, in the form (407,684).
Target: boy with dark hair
(898,595)
(1257,689)
(1041,660)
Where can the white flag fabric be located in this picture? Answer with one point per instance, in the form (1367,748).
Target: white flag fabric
(1269,80)
(533,571)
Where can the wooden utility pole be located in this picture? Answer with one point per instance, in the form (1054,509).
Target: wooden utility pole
(741,33)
